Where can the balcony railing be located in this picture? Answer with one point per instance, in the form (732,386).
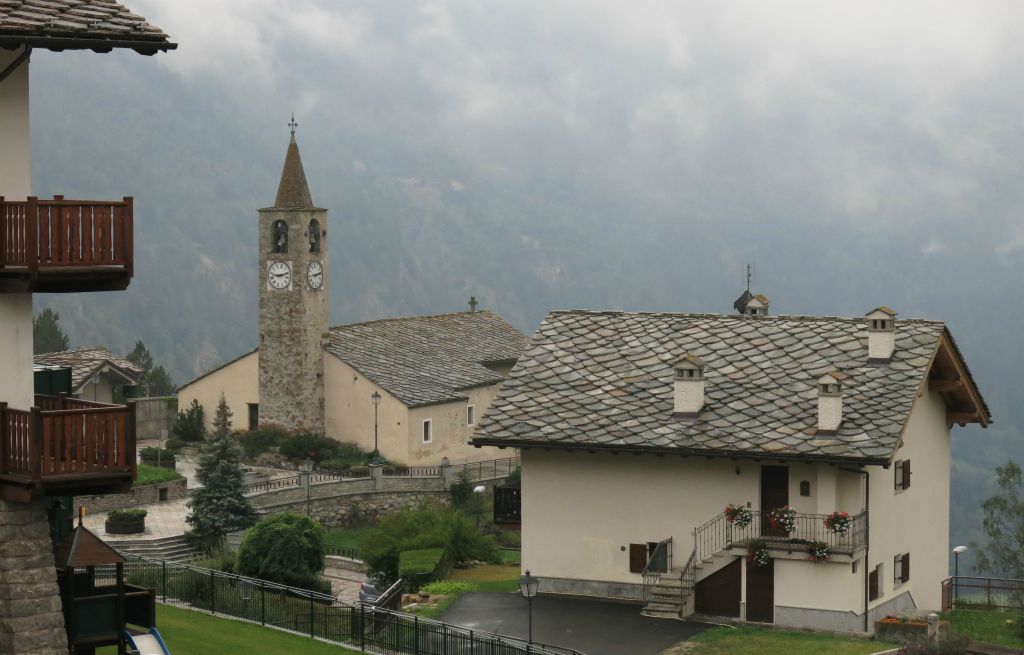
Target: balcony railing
(720,533)
(57,245)
(66,446)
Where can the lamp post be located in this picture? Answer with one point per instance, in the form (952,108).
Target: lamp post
(956,572)
(307,472)
(478,495)
(528,587)
(375,397)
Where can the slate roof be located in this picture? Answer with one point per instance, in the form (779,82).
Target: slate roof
(71,24)
(429,359)
(605,380)
(85,362)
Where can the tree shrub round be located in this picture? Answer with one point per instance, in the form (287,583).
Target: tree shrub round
(287,549)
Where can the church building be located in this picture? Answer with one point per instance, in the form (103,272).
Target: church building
(412,388)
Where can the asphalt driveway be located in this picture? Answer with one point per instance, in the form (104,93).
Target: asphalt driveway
(593,627)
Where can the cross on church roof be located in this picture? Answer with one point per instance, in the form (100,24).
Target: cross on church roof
(292,124)
(472,303)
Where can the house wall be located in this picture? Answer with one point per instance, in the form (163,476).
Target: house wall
(450,431)
(238,382)
(350,411)
(915,520)
(16,350)
(100,390)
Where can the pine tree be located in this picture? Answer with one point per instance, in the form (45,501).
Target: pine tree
(220,505)
(154,380)
(47,337)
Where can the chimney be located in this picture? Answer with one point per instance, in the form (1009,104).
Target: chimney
(688,386)
(750,304)
(830,401)
(881,335)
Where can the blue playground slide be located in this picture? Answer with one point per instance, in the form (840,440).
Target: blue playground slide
(151,644)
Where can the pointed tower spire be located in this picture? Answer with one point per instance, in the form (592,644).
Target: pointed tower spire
(292,192)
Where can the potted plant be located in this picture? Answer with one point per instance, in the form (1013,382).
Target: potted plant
(838,523)
(817,551)
(757,553)
(738,515)
(125,521)
(783,518)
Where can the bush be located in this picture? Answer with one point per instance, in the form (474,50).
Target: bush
(151,456)
(174,445)
(510,538)
(287,548)
(418,567)
(126,514)
(308,445)
(514,478)
(257,442)
(190,425)
(462,490)
(948,645)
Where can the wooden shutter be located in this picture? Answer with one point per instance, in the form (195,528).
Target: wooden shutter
(873,585)
(906,474)
(905,567)
(637,558)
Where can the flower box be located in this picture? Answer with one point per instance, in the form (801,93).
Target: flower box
(897,630)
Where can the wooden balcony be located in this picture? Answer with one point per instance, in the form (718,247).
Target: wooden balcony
(66,447)
(56,246)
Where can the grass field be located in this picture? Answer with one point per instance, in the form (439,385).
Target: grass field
(1004,628)
(151,475)
(187,632)
(348,537)
(483,577)
(761,641)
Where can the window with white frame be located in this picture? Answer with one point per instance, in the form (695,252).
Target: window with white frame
(428,431)
(470,415)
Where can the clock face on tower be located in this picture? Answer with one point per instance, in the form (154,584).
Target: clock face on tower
(315,275)
(279,275)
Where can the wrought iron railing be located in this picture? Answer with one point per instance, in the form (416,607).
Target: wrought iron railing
(343,551)
(508,505)
(489,469)
(659,562)
(968,592)
(720,533)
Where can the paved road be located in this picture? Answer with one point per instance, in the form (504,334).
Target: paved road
(594,627)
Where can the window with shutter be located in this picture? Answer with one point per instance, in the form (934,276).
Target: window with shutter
(905,567)
(873,585)
(897,575)
(906,474)
(637,558)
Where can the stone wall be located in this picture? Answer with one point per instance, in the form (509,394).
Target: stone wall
(146,495)
(154,417)
(31,621)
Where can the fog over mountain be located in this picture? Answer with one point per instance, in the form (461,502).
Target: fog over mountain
(578,154)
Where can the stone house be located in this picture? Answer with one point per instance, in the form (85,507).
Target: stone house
(432,376)
(96,373)
(52,246)
(637,429)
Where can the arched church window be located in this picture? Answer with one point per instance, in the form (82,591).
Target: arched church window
(314,236)
(279,237)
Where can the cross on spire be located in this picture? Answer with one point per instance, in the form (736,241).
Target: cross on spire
(472,303)
(292,124)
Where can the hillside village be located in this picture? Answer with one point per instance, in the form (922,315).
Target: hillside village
(607,481)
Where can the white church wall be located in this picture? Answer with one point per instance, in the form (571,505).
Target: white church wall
(238,382)
(349,411)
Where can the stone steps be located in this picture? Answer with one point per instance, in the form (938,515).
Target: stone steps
(172,549)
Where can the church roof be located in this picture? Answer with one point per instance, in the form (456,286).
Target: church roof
(86,362)
(604,380)
(98,25)
(424,360)
(293,192)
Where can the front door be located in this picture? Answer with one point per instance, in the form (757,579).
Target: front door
(761,592)
(774,493)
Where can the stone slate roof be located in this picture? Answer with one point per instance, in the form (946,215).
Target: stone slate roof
(292,191)
(605,380)
(85,362)
(424,360)
(95,24)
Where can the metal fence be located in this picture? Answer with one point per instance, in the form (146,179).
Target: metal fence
(318,615)
(343,551)
(966,592)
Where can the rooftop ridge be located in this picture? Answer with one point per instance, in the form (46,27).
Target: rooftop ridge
(397,319)
(737,317)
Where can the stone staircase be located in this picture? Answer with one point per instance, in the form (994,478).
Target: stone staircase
(669,596)
(172,549)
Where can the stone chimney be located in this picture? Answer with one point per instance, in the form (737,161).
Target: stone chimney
(688,386)
(750,304)
(881,335)
(830,401)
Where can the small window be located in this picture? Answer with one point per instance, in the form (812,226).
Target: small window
(900,569)
(805,487)
(901,470)
(428,435)
(470,415)
(855,566)
(254,416)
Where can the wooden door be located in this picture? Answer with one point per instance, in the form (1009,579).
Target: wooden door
(774,493)
(761,592)
(719,593)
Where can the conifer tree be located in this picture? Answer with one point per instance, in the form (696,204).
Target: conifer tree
(155,380)
(47,337)
(220,505)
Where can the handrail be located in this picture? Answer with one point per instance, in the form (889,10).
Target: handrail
(389,594)
(659,562)
(719,533)
(965,591)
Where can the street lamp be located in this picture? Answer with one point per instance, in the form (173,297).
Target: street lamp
(478,495)
(375,397)
(307,474)
(528,587)
(956,572)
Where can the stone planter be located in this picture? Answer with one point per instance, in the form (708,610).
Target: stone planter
(133,525)
(899,632)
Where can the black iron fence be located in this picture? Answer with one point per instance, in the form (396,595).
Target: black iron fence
(659,562)
(343,551)
(967,592)
(508,505)
(317,615)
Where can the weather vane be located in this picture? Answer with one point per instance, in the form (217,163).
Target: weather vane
(292,124)
(749,275)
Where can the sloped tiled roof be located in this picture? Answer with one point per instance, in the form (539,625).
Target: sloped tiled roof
(604,380)
(428,359)
(94,24)
(84,362)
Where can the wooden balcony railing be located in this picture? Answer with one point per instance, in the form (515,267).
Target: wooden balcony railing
(67,237)
(66,446)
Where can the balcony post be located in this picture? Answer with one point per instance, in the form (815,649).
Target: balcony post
(3,437)
(32,235)
(34,456)
(129,438)
(3,233)
(127,248)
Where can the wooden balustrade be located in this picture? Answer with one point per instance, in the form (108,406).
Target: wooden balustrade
(88,443)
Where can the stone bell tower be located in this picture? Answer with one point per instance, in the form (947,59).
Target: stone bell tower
(293,303)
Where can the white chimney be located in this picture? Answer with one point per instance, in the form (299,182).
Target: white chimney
(830,401)
(688,386)
(881,335)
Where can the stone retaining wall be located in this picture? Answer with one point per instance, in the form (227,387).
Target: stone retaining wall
(31,621)
(146,495)
(154,417)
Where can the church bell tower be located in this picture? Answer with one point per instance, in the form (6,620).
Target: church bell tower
(293,303)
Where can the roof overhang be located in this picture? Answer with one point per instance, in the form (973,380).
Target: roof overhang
(949,376)
(96,44)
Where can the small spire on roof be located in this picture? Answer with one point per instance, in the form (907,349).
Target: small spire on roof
(293,192)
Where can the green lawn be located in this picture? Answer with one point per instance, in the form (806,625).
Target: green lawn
(483,577)
(765,641)
(195,633)
(348,537)
(147,474)
(1005,628)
